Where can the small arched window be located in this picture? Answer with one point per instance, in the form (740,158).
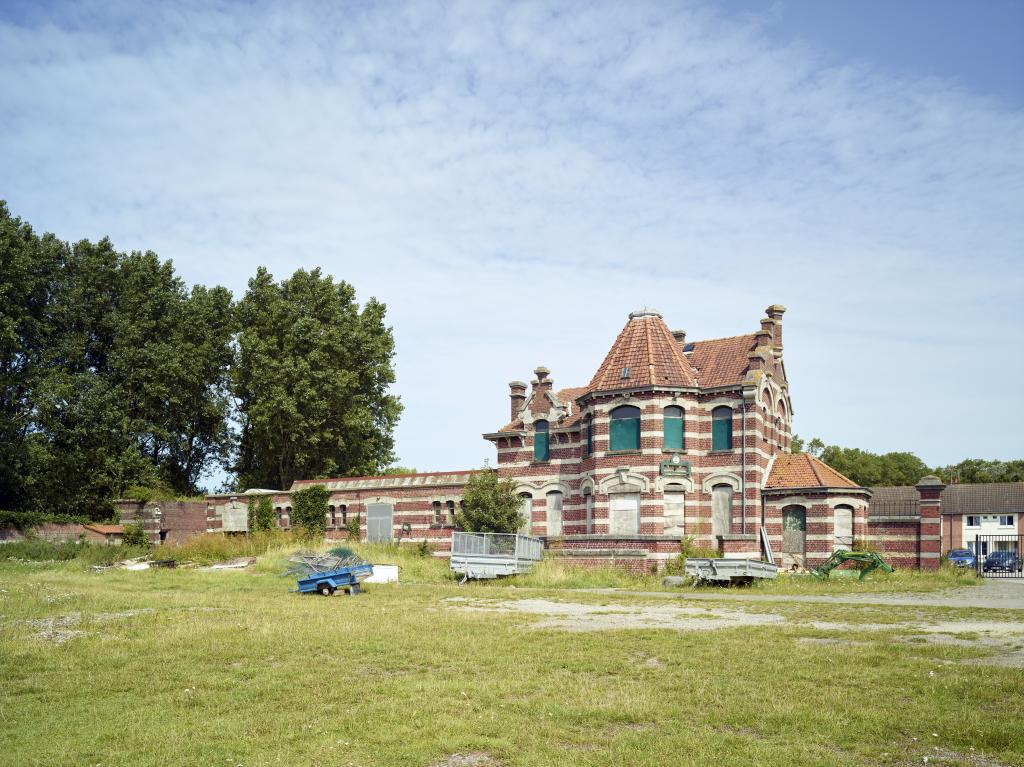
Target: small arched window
(288,513)
(721,428)
(279,515)
(451,512)
(437,512)
(330,516)
(590,435)
(343,510)
(673,428)
(541,449)
(625,428)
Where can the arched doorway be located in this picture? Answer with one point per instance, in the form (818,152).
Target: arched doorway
(794,530)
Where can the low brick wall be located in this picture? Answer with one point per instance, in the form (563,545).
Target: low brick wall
(49,531)
(165,521)
(636,553)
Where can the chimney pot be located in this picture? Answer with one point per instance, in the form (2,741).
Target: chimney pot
(517,395)
(680,336)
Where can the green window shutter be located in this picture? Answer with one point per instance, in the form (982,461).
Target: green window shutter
(625,434)
(721,434)
(673,433)
(540,446)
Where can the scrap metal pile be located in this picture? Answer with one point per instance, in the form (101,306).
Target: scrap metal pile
(308,563)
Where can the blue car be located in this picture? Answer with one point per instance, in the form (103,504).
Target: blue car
(1002,561)
(962,558)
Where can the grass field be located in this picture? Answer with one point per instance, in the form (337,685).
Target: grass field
(166,667)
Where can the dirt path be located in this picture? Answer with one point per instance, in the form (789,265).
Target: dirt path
(1005,593)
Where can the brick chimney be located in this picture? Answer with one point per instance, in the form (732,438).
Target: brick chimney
(766,335)
(541,385)
(775,312)
(680,336)
(517,393)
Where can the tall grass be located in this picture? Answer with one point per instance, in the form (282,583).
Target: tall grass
(211,548)
(87,554)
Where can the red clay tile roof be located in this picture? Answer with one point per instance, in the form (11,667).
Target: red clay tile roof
(106,529)
(803,470)
(721,361)
(645,346)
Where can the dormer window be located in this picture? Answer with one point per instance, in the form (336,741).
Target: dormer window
(625,373)
(541,449)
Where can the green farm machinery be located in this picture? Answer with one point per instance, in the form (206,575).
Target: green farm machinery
(869,561)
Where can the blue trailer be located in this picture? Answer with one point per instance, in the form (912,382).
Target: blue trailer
(326,583)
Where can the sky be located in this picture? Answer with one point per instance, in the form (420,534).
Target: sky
(512,179)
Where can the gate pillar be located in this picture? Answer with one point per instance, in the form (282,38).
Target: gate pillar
(929,542)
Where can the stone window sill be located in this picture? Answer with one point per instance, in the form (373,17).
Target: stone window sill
(623,452)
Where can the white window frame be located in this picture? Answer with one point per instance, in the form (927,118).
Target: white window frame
(975,517)
(1008,520)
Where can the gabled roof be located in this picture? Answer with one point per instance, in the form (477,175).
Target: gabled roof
(983,498)
(802,470)
(644,354)
(569,395)
(721,361)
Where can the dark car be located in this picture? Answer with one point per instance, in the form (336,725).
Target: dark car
(1002,561)
(962,558)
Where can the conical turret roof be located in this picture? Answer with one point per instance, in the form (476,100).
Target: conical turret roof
(644,354)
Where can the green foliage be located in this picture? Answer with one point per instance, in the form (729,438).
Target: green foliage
(27,520)
(976,470)
(398,470)
(84,554)
(688,548)
(112,374)
(264,517)
(309,510)
(492,505)
(424,549)
(311,381)
(353,527)
(135,535)
(210,548)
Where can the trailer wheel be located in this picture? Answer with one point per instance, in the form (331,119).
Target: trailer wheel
(325,589)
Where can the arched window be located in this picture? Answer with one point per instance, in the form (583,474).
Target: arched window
(554,509)
(526,512)
(589,502)
(280,518)
(673,428)
(721,428)
(343,510)
(590,435)
(721,509)
(451,512)
(330,516)
(843,527)
(541,451)
(437,512)
(288,513)
(625,428)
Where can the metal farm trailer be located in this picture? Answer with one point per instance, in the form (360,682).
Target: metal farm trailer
(347,578)
(729,570)
(490,555)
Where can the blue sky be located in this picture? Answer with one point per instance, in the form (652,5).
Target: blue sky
(513,179)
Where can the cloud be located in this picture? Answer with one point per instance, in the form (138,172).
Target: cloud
(512,179)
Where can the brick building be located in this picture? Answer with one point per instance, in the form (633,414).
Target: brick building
(670,438)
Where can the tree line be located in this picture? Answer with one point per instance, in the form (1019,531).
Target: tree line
(116,375)
(903,468)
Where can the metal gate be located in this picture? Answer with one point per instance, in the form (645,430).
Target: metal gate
(379,525)
(1000,556)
